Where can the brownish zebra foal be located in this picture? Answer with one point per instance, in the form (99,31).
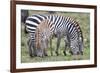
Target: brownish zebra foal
(43,34)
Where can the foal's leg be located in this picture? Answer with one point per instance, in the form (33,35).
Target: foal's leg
(45,49)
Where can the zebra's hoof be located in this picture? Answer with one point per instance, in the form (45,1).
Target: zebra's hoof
(64,53)
(31,55)
(71,52)
(81,52)
(57,53)
(78,53)
(46,55)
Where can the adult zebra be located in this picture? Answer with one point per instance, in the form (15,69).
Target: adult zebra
(61,27)
(60,22)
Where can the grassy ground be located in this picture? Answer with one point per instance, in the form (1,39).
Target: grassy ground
(84,21)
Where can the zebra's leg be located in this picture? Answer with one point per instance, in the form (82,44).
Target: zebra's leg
(65,48)
(58,44)
(67,44)
(51,47)
(31,48)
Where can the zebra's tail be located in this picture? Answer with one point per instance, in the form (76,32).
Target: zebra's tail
(25,28)
(25,31)
(24,16)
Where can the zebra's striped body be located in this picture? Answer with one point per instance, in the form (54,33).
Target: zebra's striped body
(62,26)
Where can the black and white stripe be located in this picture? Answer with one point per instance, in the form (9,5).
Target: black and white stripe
(66,26)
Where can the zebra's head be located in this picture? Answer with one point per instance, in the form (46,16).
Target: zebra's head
(41,39)
(77,47)
(74,47)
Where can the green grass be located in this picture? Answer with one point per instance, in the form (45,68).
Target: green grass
(84,21)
